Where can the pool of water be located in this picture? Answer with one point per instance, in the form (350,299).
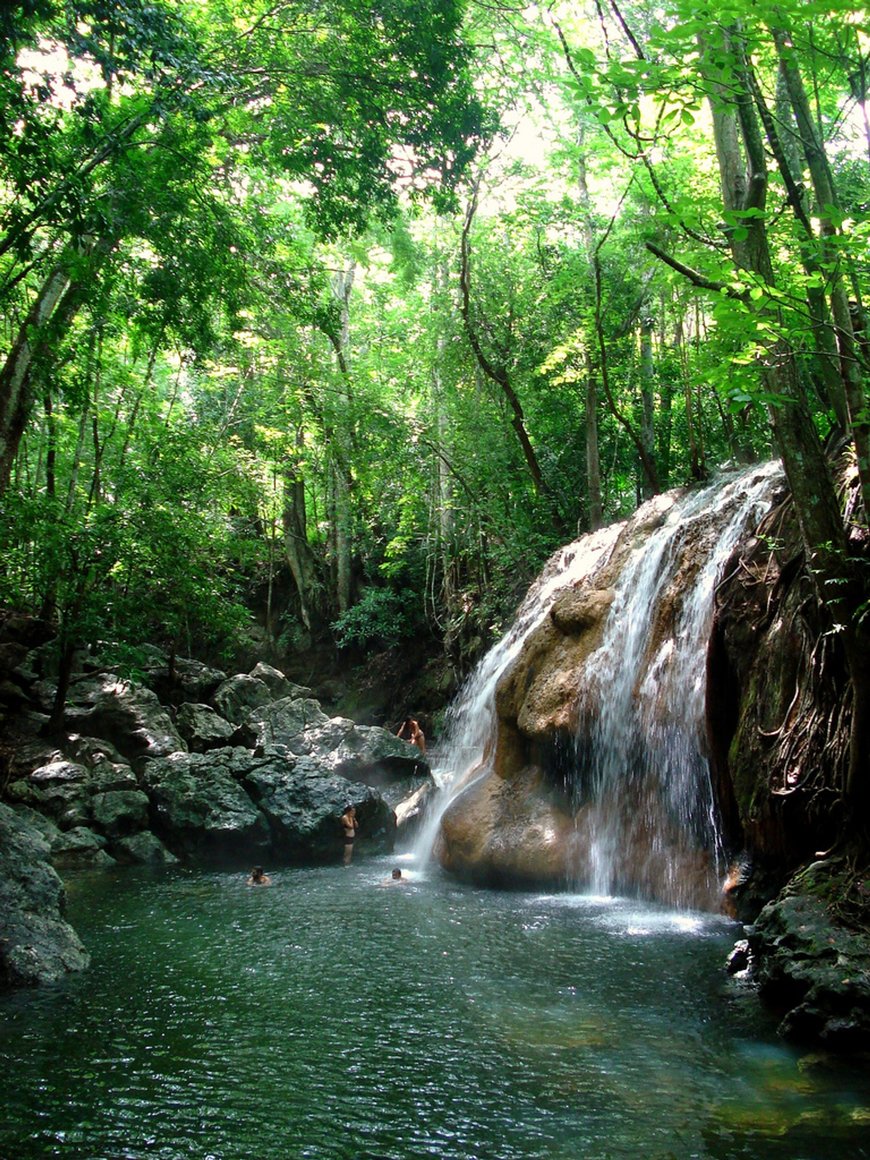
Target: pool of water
(331,1017)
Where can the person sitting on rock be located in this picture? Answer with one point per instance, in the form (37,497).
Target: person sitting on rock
(259,878)
(410,731)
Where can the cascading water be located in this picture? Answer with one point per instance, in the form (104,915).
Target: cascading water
(644,814)
(644,790)
(471,719)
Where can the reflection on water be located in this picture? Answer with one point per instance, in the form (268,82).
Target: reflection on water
(329,1017)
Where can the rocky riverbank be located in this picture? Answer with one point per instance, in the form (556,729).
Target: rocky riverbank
(186,765)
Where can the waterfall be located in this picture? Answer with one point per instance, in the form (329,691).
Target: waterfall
(643,811)
(643,783)
(471,719)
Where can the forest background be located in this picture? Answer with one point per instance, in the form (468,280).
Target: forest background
(324,322)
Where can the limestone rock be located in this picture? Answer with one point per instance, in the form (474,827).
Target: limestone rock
(277,682)
(285,723)
(506,831)
(200,810)
(237,696)
(192,680)
(119,812)
(813,969)
(303,802)
(36,944)
(143,848)
(202,728)
(79,847)
(127,715)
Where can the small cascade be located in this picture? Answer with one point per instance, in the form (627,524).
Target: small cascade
(643,818)
(643,793)
(471,719)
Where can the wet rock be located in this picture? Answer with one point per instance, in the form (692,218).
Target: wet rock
(78,848)
(36,944)
(412,808)
(506,832)
(144,849)
(203,728)
(813,970)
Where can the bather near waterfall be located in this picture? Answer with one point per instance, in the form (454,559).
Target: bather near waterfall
(594,772)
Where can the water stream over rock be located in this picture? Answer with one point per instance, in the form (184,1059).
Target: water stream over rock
(577,749)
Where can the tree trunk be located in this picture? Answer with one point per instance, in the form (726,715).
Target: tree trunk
(495,372)
(647,395)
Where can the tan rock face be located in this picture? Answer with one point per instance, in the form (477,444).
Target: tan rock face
(507,831)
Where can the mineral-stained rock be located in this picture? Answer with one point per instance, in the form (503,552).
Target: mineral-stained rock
(36,944)
(507,831)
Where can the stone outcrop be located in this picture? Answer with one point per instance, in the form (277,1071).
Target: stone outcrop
(37,945)
(257,773)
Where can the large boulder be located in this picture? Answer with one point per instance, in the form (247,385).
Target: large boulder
(127,715)
(72,795)
(187,680)
(237,696)
(808,952)
(286,724)
(37,945)
(200,810)
(507,831)
(303,802)
(364,753)
(203,728)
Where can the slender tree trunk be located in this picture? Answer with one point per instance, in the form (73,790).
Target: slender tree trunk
(496,372)
(827,205)
(647,395)
(295,527)
(593,451)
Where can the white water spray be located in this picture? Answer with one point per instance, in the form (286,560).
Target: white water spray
(641,784)
(471,719)
(644,774)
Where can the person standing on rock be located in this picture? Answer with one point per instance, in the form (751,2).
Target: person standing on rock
(350,826)
(410,730)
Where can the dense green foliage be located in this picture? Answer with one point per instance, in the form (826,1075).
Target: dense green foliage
(348,314)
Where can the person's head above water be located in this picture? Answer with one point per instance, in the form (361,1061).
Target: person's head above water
(397,873)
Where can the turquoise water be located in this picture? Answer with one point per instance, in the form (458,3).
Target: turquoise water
(329,1017)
